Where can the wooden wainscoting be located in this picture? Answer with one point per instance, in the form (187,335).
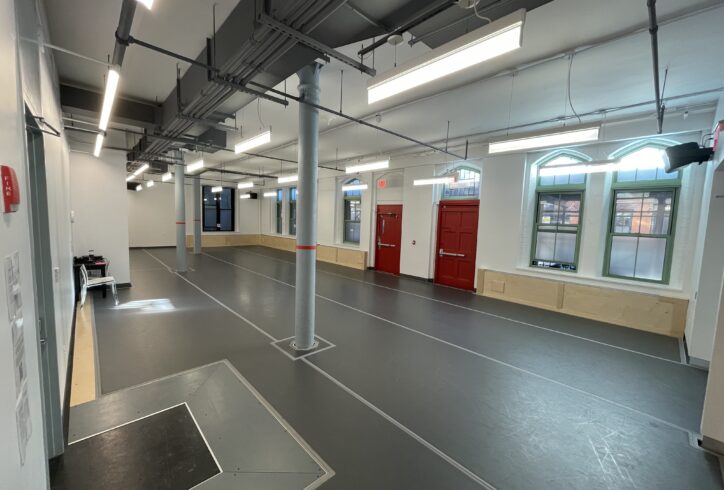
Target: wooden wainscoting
(356,259)
(650,312)
(223,240)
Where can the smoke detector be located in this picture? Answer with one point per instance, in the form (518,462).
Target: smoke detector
(467,4)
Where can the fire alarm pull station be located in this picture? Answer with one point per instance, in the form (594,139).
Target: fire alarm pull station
(10,189)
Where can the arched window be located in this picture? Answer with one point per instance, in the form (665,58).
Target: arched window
(466,185)
(352,213)
(641,227)
(558,214)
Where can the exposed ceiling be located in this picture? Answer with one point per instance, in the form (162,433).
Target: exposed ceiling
(615,73)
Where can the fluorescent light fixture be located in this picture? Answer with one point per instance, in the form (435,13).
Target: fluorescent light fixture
(245,185)
(111,87)
(284,179)
(545,139)
(140,170)
(367,167)
(217,189)
(197,165)
(354,187)
(245,196)
(494,39)
(130,178)
(99,145)
(258,140)
(270,194)
(146,3)
(150,183)
(166,177)
(139,188)
(433,181)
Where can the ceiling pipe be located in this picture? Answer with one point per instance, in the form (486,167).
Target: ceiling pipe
(654,31)
(358,121)
(123,32)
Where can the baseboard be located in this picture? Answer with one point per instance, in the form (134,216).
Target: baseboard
(712,445)
(123,285)
(153,246)
(698,363)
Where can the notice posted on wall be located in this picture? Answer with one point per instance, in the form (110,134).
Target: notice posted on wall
(14,300)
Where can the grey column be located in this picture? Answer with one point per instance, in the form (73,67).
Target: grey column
(307,209)
(197,214)
(180,219)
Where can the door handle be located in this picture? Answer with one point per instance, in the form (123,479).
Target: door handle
(443,253)
(380,244)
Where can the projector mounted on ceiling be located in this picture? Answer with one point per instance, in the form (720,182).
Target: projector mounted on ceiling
(678,156)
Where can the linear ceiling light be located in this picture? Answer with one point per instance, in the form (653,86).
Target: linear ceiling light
(354,187)
(130,178)
(146,3)
(258,140)
(217,189)
(140,170)
(494,39)
(433,181)
(270,194)
(367,167)
(197,165)
(99,145)
(139,188)
(245,185)
(545,139)
(109,97)
(150,183)
(245,196)
(166,177)
(287,178)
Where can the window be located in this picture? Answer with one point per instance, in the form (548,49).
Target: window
(467,185)
(293,211)
(641,228)
(352,213)
(218,209)
(559,208)
(279,204)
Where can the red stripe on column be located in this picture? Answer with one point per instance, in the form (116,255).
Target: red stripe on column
(180,222)
(306,247)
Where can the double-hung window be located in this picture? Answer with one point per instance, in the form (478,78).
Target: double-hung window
(642,222)
(352,213)
(293,211)
(559,210)
(218,209)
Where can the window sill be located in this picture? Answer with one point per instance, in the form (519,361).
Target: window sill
(578,278)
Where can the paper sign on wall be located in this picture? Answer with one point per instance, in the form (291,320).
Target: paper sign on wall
(14,300)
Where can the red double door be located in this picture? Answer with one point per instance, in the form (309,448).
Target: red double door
(388,238)
(457,238)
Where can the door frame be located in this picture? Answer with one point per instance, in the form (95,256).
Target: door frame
(43,275)
(374,237)
(454,202)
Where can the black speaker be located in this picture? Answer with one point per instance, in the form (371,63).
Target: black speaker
(679,156)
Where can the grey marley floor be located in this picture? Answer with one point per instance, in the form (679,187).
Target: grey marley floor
(425,386)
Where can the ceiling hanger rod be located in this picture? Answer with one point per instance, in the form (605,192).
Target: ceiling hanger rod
(358,121)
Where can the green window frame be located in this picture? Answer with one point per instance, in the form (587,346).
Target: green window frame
(279,206)
(558,214)
(292,211)
(642,218)
(352,214)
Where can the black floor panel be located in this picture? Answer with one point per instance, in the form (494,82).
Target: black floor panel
(164,451)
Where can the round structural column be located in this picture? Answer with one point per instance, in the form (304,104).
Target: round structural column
(196,186)
(180,218)
(306,249)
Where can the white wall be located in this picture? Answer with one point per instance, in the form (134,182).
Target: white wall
(35,84)
(152,217)
(100,204)
(712,426)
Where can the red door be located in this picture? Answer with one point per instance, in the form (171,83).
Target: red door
(389,236)
(457,238)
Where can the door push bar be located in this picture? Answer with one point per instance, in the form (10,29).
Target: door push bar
(443,253)
(380,244)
